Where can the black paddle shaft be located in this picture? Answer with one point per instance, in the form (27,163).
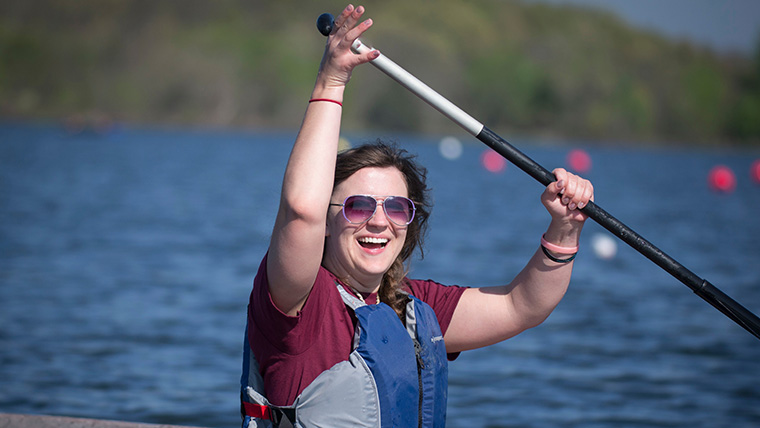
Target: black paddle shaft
(701,287)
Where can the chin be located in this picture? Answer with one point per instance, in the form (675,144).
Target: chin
(374,269)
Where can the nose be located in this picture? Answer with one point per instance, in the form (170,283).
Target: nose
(379,218)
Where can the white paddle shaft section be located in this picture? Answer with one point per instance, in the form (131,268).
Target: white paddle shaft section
(413,84)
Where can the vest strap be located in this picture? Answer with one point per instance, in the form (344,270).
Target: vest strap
(257,410)
(277,415)
(349,300)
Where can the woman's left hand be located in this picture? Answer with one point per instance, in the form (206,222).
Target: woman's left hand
(565,197)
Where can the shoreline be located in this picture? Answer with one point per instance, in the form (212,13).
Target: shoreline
(15,420)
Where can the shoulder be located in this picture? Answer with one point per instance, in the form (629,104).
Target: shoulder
(432,292)
(294,333)
(443,299)
(324,284)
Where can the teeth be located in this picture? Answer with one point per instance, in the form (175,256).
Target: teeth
(370,240)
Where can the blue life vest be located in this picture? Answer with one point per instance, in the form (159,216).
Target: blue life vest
(396,376)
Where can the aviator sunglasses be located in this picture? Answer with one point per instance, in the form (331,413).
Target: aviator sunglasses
(360,208)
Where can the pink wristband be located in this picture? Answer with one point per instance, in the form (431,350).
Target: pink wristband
(556,248)
(326,99)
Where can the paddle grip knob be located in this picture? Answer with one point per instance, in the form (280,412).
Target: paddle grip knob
(325,24)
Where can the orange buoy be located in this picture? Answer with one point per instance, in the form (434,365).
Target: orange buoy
(493,161)
(722,179)
(579,161)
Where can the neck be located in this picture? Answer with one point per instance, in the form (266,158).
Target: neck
(366,284)
(358,286)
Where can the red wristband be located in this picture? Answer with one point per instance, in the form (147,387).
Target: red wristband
(556,248)
(326,99)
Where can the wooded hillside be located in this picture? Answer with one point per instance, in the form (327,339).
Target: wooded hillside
(519,68)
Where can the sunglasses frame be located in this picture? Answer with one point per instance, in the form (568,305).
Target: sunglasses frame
(378,202)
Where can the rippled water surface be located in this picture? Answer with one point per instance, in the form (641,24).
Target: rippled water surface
(126,261)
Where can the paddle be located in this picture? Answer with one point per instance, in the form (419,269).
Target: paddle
(701,287)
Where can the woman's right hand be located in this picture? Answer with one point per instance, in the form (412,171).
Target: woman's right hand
(338,60)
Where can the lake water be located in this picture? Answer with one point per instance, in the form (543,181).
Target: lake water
(126,261)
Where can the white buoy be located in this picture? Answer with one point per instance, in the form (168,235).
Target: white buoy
(450,148)
(604,246)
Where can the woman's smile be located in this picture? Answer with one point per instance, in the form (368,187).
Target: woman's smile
(373,244)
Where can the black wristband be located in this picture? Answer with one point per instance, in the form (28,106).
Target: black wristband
(556,260)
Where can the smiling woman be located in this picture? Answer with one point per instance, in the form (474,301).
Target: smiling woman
(337,334)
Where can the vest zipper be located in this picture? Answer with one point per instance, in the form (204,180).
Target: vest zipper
(420,367)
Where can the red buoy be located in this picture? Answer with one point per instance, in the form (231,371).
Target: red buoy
(493,161)
(579,161)
(754,171)
(722,179)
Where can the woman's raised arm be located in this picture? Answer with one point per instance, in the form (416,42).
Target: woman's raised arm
(297,242)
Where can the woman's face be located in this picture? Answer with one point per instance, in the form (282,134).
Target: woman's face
(362,253)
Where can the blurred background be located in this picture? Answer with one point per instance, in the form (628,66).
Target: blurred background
(142,147)
(676,71)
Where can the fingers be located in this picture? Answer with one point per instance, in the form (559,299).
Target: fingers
(574,191)
(342,19)
(345,31)
(352,35)
(345,24)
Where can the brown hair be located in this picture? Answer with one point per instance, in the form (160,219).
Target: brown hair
(380,154)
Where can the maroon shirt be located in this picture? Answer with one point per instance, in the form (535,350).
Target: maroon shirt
(293,350)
